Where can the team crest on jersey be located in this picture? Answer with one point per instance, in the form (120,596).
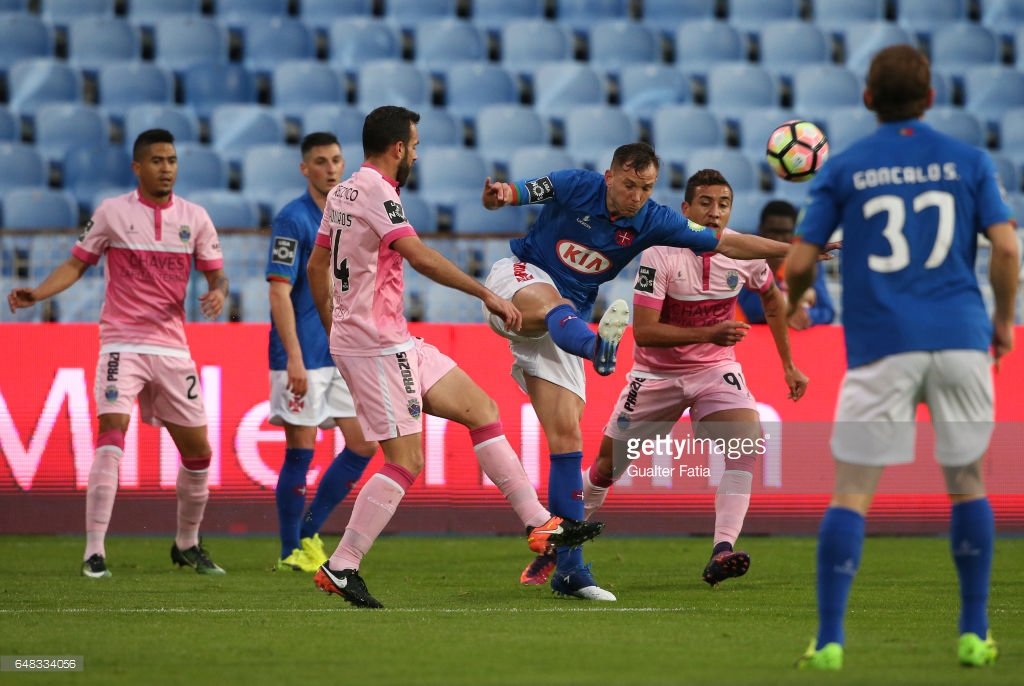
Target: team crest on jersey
(85,230)
(582,259)
(732,279)
(645,279)
(285,250)
(414,408)
(624,237)
(184,233)
(395,212)
(540,189)
(110,393)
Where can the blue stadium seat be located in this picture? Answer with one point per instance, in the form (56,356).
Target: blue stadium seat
(924,16)
(1003,16)
(834,15)
(95,40)
(591,129)
(862,39)
(558,86)
(83,302)
(471,217)
(678,129)
(845,125)
(407,14)
(272,169)
(664,15)
(754,126)
(420,213)
(746,210)
(581,15)
(1011,137)
(957,123)
(643,88)
(355,41)
(299,84)
(439,127)
(148,13)
(528,43)
(60,127)
(200,167)
(39,208)
(254,299)
(943,87)
(817,88)
(503,129)
(1009,171)
(446,175)
(956,46)
(493,15)
(229,11)
(533,161)
(21,166)
(180,120)
(236,128)
(208,86)
(733,87)
(344,121)
(443,304)
(440,43)
(14,5)
(701,44)
(10,127)
(180,42)
(741,172)
(267,41)
(89,169)
(392,82)
(320,14)
(23,36)
(991,90)
(228,208)
(788,45)
(123,85)
(38,81)
(751,15)
(469,86)
(618,43)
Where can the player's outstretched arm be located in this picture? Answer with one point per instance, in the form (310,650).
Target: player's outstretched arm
(801,265)
(211,303)
(1004,275)
(774,303)
(497,194)
(60,279)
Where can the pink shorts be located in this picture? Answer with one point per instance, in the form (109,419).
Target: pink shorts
(167,388)
(388,390)
(646,399)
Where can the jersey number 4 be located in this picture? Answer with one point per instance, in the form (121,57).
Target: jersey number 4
(340,266)
(896,209)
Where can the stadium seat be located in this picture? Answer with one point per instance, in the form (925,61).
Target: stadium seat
(470,86)
(95,40)
(991,90)
(591,129)
(180,120)
(833,15)
(10,127)
(228,209)
(862,39)
(440,43)
(344,121)
(844,125)
(471,217)
(617,43)
(741,172)
(957,123)
(959,45)
(253,298)
(407,14)
(503,129)
(943,89)
(39,208)
(421,214)
(581,15)
(89,169)
(817,88)
(244,10)
(750,15)
(754,126)
(299,84)
(704,43)
(180,42)
(493,15)
(236,128)
(21,166)
(643,88)
(320,14)
(559,86)
(439,127)
(38,81)
(446,175)
(208,86)
(355,41)
(13,5)
(791,44)
(23,36)
(268,41)
(733,87)
(83,302)
(664,15)
(60,127)
(1011,137)
(392,82)
(1009,171)
(923,16)
(746,210)
(148,13)
(272,169)
(1003,16)
(528,43)
(676,129)
(534,161)
(200,167)
(123,85)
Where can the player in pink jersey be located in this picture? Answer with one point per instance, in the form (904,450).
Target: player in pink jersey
(150,238)
(685,331)
(394,378)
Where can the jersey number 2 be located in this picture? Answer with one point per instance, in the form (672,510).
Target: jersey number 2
(896,209)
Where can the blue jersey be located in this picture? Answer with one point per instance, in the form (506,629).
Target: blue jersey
(911,202)
(580,246)
(292,235)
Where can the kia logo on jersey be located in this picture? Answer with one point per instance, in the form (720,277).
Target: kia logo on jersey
(582,259)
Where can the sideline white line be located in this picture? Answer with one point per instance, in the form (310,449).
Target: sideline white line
(230,610)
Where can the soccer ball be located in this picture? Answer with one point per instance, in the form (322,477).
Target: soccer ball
(796,150)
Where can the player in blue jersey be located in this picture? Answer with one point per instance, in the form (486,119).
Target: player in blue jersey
(307,391)
(590,227)
(912,203)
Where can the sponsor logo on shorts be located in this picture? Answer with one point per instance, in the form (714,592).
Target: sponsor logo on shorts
(113,364)
(732,279)
(285,250)
(540,189)
(582,259)
(110,393)
(519,271)
(407,378)
(634,390)
(184,233)
(395,212)
(645,279)
(414,408)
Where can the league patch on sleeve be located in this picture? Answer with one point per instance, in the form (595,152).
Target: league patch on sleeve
(395,212)
(85,230)
(645,279)
(540,189)
(285,251)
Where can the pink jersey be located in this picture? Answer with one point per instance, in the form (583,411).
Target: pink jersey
(362,217)
(692,290)
(149,251)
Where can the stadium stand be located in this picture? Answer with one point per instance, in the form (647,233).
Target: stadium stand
(94,40)
(90,169)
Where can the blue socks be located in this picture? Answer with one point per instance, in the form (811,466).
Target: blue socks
(565,498)
(971,534)
(290,495)
(840,541)
(339,479)
(571,334)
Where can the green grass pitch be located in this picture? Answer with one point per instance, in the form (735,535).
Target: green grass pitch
(455,614)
